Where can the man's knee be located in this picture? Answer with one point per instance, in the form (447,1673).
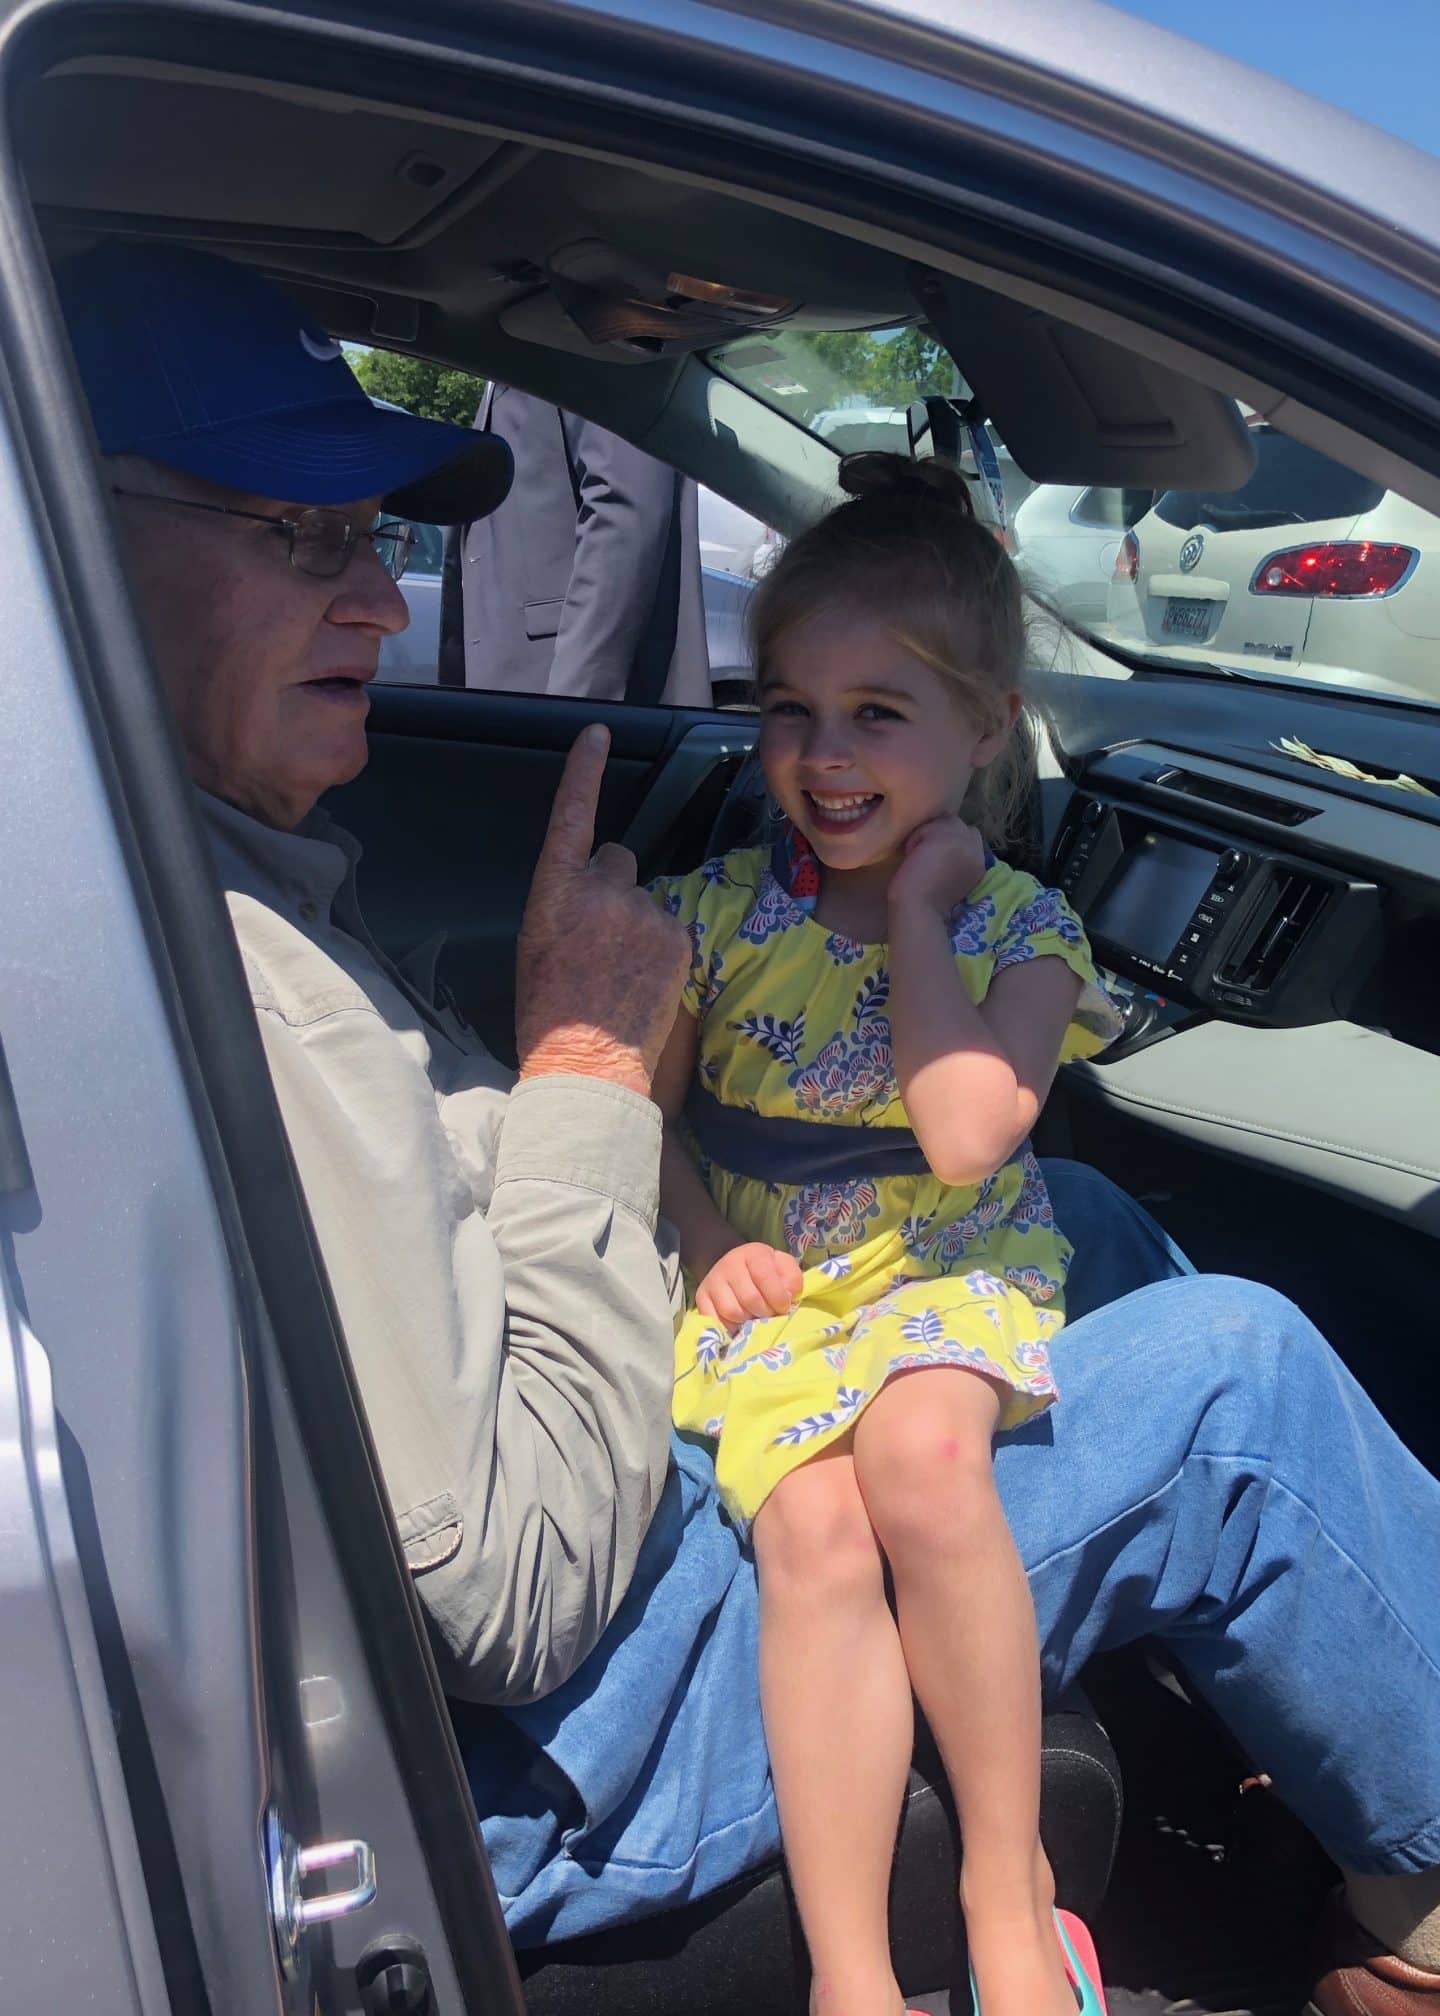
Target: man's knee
(1211,1362)
(1243,1339)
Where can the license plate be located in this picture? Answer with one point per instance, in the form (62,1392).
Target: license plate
(1186,617)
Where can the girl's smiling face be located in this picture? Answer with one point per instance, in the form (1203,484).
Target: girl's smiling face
(862,741)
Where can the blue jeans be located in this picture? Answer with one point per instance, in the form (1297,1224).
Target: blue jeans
(1211,1477)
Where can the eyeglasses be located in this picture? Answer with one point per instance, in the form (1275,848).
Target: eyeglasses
(320,541)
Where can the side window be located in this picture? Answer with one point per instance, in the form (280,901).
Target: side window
(428,552)
(604,573)
(411,657)
(1101,510)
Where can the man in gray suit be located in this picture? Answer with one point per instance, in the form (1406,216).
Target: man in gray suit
(587,581)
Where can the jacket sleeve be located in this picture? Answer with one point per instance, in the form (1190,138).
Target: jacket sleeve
(626,502)
(515,1366)
(451,665)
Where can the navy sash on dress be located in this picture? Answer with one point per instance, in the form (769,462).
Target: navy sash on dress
(781,1149)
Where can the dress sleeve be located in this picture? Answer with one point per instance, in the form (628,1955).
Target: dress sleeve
(1042,925)
(691,899)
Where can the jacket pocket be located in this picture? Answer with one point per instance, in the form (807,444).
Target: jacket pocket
(430,1533)
(542,619)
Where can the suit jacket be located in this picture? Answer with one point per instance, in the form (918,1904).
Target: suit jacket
(587,580)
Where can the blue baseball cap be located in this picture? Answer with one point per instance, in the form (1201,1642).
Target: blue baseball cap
(205,366)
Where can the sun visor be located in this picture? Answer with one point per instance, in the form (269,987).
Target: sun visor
(1073,407)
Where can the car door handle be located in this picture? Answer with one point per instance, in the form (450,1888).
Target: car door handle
(707,744)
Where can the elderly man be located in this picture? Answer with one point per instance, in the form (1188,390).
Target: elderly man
(491,1245)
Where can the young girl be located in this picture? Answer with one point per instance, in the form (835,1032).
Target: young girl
(875,1011)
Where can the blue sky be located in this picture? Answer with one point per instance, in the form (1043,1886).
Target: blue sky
(1380,61)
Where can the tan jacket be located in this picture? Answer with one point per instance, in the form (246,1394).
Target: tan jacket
(491,1253)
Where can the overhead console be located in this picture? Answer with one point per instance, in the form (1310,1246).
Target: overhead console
(1247,930)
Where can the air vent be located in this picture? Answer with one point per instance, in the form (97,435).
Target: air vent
(1273,934)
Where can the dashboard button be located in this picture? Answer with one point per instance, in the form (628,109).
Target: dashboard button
(1206,920)
(1218,897)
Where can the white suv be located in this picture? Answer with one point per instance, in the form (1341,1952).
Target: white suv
(1308,568)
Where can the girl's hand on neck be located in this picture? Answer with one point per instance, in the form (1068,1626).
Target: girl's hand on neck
(943,861)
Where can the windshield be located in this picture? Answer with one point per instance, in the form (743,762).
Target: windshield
(1310,570)
(850,387)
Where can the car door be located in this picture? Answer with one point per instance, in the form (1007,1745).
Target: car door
(229,1780)
(452,808)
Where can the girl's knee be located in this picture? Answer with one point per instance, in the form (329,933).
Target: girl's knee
(927,1474)
(813,1537)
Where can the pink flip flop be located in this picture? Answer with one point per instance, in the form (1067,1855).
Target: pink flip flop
(1081,1964)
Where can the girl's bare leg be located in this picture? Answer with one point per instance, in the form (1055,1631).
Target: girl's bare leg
(922,1452)
(839,1724)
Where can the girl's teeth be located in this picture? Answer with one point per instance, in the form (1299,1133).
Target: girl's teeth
(846,809)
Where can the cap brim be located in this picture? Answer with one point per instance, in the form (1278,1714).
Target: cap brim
(465,486)
(422,469)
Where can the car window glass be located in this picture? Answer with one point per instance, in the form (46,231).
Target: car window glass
(604,574)
(852,388)
(1100,509)
(1310,570)
(428,551)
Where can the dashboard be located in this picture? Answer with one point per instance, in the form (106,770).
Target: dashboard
(1282,952)
(1245,927)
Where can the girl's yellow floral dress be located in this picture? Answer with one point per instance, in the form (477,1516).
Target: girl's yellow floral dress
(803,1142)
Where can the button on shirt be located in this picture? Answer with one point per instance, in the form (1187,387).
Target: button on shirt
(490,1248)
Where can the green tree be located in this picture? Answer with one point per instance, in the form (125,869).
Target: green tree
(915,364)
(888,367)
(419,386)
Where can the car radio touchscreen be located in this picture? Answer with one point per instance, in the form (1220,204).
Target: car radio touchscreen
(1153,896)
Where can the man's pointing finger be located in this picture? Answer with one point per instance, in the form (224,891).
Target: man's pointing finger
(570,835)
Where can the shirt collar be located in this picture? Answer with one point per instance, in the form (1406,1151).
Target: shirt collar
(304,870)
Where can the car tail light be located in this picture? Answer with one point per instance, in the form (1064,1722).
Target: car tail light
(1127,560)
(1334,567)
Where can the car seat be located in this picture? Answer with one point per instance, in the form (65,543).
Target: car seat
(740,1948)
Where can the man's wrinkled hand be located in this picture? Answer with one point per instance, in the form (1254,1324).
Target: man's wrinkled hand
(751,1280)
(599,966)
